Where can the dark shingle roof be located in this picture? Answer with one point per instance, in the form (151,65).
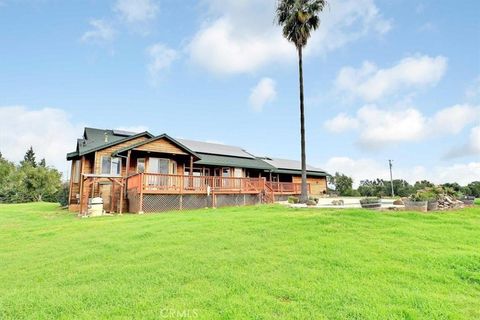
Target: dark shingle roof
(214,154)
(96,139)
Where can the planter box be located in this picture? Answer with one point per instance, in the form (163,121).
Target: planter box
(421,206)
(468,201)
(432,205)
(372,205)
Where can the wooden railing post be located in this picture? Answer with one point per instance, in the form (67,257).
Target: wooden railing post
(181,185)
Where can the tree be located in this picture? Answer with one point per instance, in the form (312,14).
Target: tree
(42,163)
(474,189)
(7,180)
(401,188)
(374,188)
(39,183)
(422,185)
(29,158)
(343,184)
(298,19)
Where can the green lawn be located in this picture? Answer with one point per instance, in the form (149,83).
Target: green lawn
(265,262)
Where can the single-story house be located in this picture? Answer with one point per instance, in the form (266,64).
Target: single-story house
(140,172)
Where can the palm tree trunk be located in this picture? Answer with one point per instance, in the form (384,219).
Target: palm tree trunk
(304,191)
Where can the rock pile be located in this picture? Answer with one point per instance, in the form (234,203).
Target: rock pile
(446,202)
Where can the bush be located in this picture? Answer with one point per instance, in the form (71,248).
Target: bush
(62,195)
(311,202)
(313,199)
(424,195)
(293,199)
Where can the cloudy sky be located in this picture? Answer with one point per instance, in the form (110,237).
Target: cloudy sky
(384,79)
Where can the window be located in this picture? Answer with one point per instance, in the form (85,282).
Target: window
(197,172)
(158,165)
(225,172)
(111,166)
(76,171)
(140,165)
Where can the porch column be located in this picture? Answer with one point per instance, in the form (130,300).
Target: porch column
(127,170)
(190,180)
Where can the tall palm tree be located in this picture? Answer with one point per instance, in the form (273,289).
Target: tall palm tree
(298,19)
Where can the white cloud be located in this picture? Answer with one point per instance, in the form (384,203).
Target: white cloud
(264,92)
(470,148)
(341,123)
(361,169)
(473,91)
(101,32)
(136,11)
(241,36)
(453,119)
(161,57)
(49,131)
(371,83)
(379,127)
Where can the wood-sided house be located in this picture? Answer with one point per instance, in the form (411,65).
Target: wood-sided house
(140,172)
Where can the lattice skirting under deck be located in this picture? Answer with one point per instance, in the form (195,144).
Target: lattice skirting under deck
(161,202)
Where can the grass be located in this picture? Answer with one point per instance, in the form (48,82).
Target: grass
(265,262)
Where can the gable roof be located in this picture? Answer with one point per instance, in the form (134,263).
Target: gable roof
(97,139)
(206,153)
(162,136)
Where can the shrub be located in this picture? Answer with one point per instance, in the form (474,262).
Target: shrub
(293,199)
(313,199)
(311,202)
(62,195)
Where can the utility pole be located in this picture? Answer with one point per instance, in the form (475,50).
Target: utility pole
(391,177)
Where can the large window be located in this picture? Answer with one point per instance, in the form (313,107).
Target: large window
(111,166)
(158,165)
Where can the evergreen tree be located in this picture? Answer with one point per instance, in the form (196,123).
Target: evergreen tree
(42,163)
(29,158)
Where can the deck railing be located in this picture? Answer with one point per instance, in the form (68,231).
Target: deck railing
(287,187)
(171,183)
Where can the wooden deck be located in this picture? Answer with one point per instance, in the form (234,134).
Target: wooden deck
(150,183)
